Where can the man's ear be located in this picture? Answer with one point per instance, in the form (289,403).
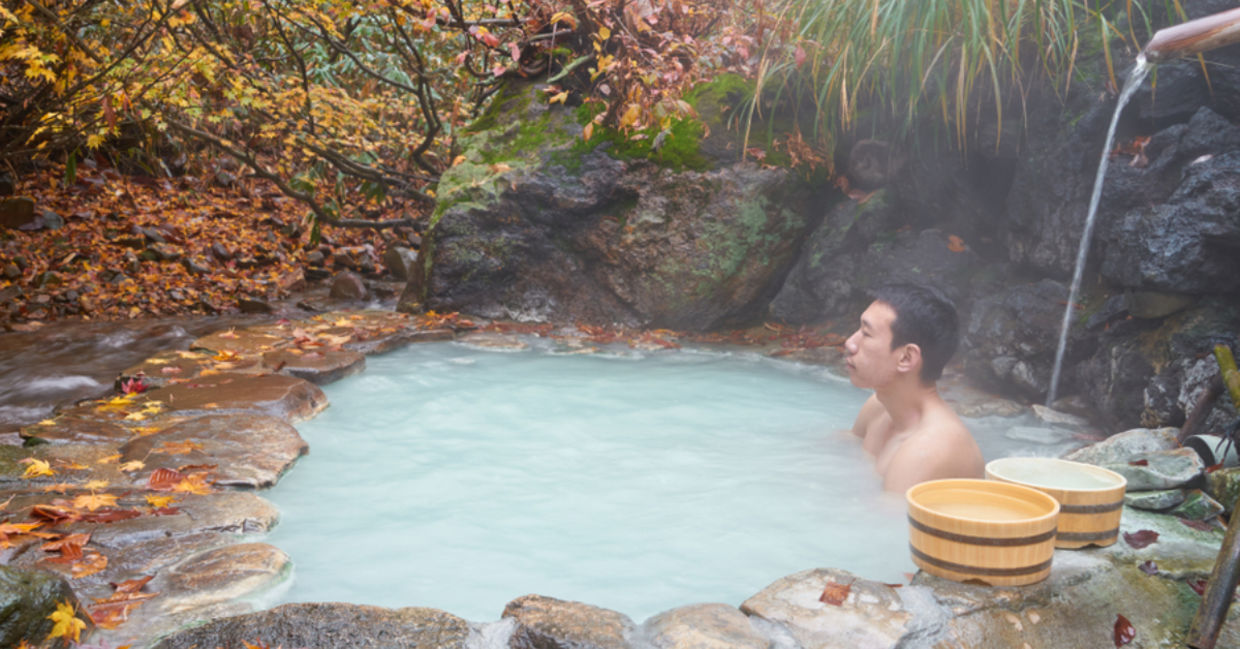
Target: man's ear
(909,359)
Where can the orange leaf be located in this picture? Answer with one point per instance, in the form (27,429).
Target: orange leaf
(956,244)
(88,565)
(163,479)
(835,593)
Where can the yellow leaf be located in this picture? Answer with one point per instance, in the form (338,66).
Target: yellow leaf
(160,501)
(565,17)
(37,468)
(96,484)
(559,97)
(67,624)
(48,422)
(94,501)
(630,115)
(110,458)
(135,416)
(587,131)
(94,141)
(603,33)
(133,465)
(458,160)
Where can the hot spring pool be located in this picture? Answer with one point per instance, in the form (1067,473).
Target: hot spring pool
(461,478)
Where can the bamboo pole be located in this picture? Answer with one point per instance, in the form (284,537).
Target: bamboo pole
(1221,587)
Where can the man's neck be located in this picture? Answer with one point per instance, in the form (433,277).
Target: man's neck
(906,401)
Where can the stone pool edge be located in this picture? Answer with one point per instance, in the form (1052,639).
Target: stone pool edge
(217,566)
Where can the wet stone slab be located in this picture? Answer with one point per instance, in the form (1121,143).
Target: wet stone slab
(289,398)
(247,450)
(315,366)
(78,429)
(244,342)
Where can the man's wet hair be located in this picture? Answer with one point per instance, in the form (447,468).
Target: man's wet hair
(925,317)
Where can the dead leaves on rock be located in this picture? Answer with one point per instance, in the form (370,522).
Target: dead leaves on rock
(110,612)
(194,479)
(835,593)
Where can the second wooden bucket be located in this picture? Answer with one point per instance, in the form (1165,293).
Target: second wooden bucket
(1091,498)
(982,530)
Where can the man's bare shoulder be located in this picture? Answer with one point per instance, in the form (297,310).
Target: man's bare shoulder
(942,447)
(871,410)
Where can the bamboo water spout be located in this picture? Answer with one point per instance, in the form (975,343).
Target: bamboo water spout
(1194,36)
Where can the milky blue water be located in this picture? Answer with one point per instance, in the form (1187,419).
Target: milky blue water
(461,478)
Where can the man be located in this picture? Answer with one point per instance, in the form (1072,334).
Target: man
(906,337)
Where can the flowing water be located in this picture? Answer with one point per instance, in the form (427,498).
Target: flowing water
(1130,86)
(461,478)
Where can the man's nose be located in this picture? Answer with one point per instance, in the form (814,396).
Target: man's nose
(850,345)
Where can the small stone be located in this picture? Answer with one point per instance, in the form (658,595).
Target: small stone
(1224,486)
(150,234)
(1197,506)
(1154,500)
(399,261)
(1161,469)
(252,305)
(347,286)
(11,271)
(544,622)
(221,252)
(7,185)
(16,212)
(1127,446)
(315,258)
(193,266)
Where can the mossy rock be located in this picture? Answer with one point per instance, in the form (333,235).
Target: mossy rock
(27,598)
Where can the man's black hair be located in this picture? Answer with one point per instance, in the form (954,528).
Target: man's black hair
(925,317)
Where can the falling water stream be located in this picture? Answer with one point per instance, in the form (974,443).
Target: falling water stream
(1130,86)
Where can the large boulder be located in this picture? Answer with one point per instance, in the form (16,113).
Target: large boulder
(27,598)
(341,626)
(533,226)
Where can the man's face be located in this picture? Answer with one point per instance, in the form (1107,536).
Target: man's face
(871,361)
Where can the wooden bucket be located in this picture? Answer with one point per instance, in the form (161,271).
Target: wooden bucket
(1091,498)
(982,530)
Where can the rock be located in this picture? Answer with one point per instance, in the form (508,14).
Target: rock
(45,219)
(1165,469)
(286,397)
(245,342)
(703,626)
(399,262)
(1126,446)
(78,429)
(549,623)
(221,252)
(220,575)
(196,266)
(1197,506)
(27,598)
(1056,417)
(854,250)
(1224,486)
(872,615)
(339,626)
(11,271)
(1179,551)
(494,341)
(348,286)
(1012,335)
(553,234)
(1177,246)
(1077,606)
(1151,305)
(317,367)
(7,185)
(252,305)
(16,212)
(249,450)
(1154,500)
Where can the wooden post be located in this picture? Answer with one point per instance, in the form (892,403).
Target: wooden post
(1221,588)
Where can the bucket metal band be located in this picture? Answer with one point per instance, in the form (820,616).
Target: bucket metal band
(976,570)
(1089,536)
(1091,509)
(982,540)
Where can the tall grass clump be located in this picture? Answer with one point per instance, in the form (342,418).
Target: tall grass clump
(889,64)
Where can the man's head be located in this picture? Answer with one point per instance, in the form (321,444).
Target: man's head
(907,328)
